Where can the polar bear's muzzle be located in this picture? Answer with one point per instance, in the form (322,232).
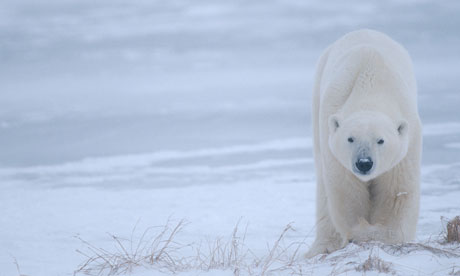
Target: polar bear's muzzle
(362,161)
(364,165)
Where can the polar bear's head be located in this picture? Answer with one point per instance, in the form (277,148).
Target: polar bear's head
(368,143)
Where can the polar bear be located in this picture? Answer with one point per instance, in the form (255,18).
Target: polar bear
(367,139)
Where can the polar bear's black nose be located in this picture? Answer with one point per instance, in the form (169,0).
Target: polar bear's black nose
(364,164)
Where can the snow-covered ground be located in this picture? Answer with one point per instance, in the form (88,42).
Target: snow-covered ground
(116,114)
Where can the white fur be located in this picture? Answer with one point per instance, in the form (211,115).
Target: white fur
(365,88)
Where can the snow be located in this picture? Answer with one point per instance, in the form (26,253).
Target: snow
(39,224)
(115,116)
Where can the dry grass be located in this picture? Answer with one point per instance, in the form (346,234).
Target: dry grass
(453,230)
(349,261)
(280,257)
(221,254)
(160,251)
(374,263)
(409,247)
(455,271)
(18,268)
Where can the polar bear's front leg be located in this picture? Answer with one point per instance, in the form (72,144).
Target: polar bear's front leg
(395,206)
(327,239)
(348,201)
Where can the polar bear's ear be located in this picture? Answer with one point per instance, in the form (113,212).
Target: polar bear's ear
(402,127)
(333,123)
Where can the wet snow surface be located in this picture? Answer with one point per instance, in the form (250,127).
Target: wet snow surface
(120,113)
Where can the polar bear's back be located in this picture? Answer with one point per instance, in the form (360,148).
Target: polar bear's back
(395,56)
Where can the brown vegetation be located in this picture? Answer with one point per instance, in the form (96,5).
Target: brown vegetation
(453,230)
(162,252)
(159,249)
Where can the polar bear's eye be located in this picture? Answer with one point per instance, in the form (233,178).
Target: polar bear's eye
(380,141)
(350,139)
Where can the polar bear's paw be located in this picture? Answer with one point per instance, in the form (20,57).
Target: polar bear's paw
(323,247)
(364,232)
